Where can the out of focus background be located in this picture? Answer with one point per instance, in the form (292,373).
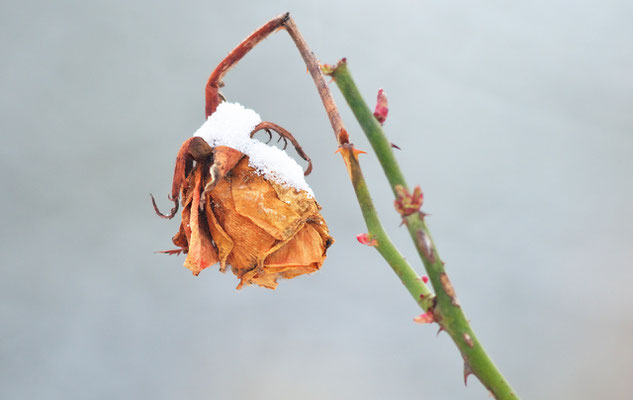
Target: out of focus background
(515,118)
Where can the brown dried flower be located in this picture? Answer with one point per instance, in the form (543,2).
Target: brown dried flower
(232,214)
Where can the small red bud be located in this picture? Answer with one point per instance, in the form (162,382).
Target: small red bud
(425,318)
(365,238)
(408,203)
(382,108)
(425,279)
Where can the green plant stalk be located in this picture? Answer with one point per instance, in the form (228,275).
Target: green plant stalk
(447,311)
(410,279)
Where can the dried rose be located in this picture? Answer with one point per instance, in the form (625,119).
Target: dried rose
(260,221)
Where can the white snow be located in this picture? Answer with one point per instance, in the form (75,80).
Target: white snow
(231,124)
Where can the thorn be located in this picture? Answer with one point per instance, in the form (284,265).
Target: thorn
(355,151)
(422,296)
(439,330)
(425,279)
(394,146)
(467,371)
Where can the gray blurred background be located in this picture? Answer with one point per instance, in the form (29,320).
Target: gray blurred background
(514,117)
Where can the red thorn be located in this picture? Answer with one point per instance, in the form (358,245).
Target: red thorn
(467,371)
(439,330)
(422,295)
(357,152)
(425,279)
(394,146)
(338,150)
(366,239)
(425,318)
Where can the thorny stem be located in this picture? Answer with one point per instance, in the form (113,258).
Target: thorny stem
(385,247)
(447,312)
(449,315)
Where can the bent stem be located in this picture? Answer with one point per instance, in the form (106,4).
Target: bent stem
(448,312)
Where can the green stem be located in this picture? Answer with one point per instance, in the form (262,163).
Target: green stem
(411,280)
(368,123)
(447,311)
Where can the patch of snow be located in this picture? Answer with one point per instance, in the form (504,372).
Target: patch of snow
(231,124)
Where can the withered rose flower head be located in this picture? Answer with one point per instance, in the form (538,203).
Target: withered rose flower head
(245,204)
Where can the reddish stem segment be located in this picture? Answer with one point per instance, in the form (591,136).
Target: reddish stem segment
(319,81)
(213,98)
